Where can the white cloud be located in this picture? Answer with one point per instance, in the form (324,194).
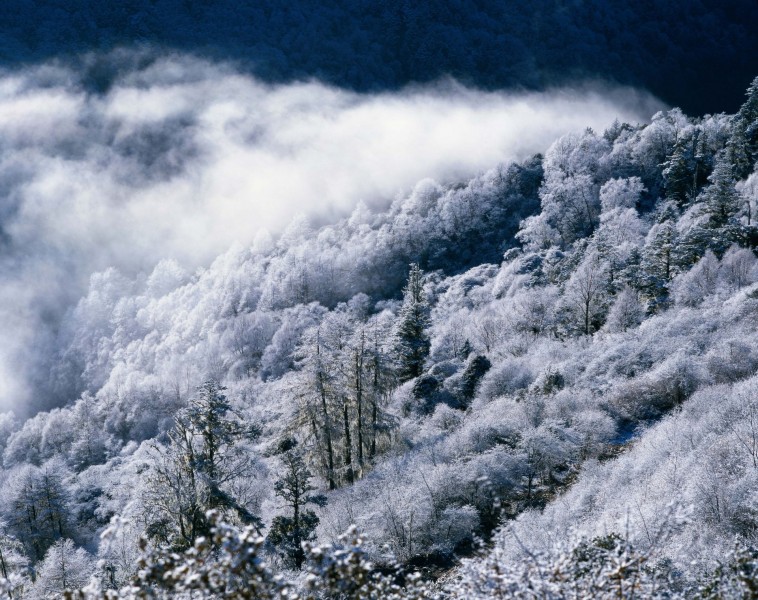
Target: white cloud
(185,157)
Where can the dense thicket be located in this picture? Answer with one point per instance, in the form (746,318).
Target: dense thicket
(698,55)
(591,392)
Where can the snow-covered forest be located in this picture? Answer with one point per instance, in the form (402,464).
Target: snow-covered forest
(538,382)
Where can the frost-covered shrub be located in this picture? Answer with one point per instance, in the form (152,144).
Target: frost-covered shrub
(490,424)
(506,378)
(626,312)
(595,429)
(278,358)
(739,268)
(731,360)
(534,310)
(453,525)
(446,418)
(661,389)
(549,381)
(232,565)
(694,286)
(403,400)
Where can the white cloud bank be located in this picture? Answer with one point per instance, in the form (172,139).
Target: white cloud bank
(183,158)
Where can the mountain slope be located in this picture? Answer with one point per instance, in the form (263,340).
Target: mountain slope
(622,313)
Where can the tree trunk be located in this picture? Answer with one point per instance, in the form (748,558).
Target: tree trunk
(327,424)
(359,399)
(299,558)
(328,438)
(348,451)
(4,571)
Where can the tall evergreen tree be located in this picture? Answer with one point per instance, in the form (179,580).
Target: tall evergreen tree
(720,226)
(411,337)
(657,264)
(39,509)
(721,200)
(737,150)
(288,532)
(193,474)
(678,173)
(742,146)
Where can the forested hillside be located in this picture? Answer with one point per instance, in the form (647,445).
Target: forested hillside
(556,359)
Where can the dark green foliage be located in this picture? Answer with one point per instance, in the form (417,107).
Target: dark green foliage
(472,375)
(288,532)
(552,382)
(411,338)
(678,174)
(742,147)
(722,202)
(658,264)
(425,387)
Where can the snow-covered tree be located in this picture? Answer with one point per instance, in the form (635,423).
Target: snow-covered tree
(65,567)
(720,198)
(658,264)
(625,313)
(587,294)
(38,506)
(411,336)
(288,532)
(14,564)
(200,470)
(742,149)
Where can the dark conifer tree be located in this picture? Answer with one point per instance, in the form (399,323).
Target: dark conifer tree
(742,145)
(472,375)
(288,532)
(678,173)
(411,338)
(658,264)
(192,475)
(722,202)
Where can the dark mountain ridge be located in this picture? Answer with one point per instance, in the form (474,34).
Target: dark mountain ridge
(698,55)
